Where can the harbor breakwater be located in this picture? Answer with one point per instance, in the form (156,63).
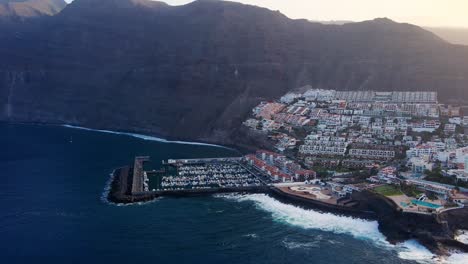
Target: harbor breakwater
(120,189)
(435,232)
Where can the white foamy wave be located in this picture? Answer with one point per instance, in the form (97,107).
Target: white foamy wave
(145,137)
(310,219)
(253,235)
(356,227)
(107,188)
(462,236)
(412,250)
(457,258)
(297,245)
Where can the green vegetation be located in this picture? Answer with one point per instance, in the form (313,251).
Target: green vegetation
(299,132)
(387,190)
(426,136)
(404,168)
(401,153)
(431,196)
(410,190)
(391,190)
(436,176)
(322,173)
(362,175)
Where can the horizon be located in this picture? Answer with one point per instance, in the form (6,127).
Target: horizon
(440,14)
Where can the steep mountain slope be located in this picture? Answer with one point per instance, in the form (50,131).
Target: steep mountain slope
(195,71)
(22,9)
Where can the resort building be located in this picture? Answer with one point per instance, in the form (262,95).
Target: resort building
(372,152)
(323,145)
(266,110)
(419,165)
(439,188)
(450,128)
(422,150)
(305,174)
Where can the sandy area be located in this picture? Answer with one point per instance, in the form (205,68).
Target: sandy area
(312,192)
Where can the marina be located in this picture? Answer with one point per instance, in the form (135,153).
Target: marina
(254,173)
(280,178)
(210,175)
(185,177)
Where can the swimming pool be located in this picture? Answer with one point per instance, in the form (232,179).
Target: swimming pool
(426,204)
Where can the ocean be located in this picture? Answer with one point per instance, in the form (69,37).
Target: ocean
(53,210)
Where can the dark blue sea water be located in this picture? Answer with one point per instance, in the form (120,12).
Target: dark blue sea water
(51,211)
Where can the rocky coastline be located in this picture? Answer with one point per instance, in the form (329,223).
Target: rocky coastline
(435,232)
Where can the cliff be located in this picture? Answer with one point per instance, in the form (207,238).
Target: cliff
(195,71)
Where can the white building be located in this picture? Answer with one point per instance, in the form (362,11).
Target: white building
(419,165)
(290,97)
(372,153)
(435,187)
(422,150)
(321,145)
(450,128)
(319,95)
(466,164)
(455,120)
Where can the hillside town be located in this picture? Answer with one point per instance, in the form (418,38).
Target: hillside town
(404,145)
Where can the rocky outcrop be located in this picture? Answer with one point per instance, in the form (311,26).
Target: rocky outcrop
(195,71)
(455,219)
(433,231)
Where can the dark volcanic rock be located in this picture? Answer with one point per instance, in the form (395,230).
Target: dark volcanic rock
(456,219)
(195,71)
(436,232)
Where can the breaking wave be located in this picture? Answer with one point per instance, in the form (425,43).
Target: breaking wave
(358,228)
(457,258)
(253,235)
(107,188)
(412,250)
(145,137)
(310,219)
(296,245)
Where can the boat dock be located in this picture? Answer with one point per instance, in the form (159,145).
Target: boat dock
(195,177)
(189,177)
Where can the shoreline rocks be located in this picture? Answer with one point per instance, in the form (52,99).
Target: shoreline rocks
(435,232)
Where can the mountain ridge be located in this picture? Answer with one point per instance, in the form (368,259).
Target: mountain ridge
(195,71)
(24,9)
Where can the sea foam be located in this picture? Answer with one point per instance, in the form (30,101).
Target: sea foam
(412,250)
(310,219)
(145,137)
(356,227)
(457,258)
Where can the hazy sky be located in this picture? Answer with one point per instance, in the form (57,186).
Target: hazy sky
(453,13)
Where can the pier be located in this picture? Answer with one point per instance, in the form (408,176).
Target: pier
(138,181)
(196,177)
(192,177)
(186,177)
